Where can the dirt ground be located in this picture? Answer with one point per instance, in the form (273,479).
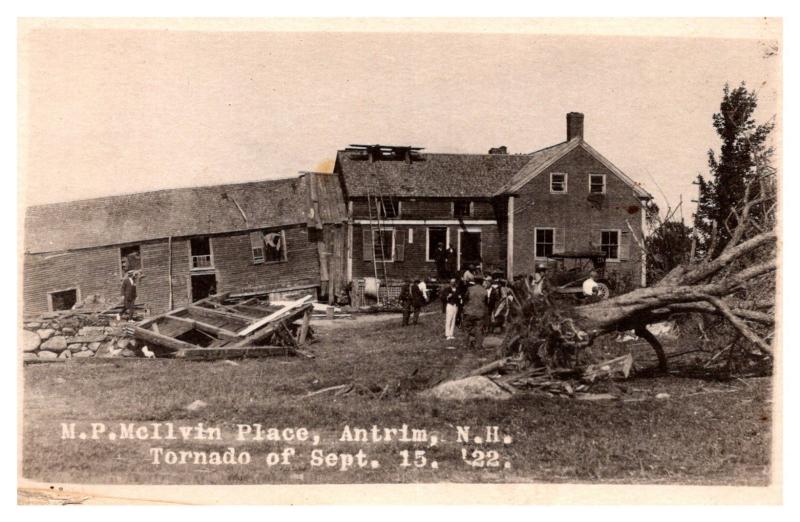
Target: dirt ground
(671,429)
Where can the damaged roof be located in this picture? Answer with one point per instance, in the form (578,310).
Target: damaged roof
(133,218)
(428,175)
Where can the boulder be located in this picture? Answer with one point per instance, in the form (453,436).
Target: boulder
(127,352)
(33,325)
(55,344)
(30,341)
(75,348)
(492,341)
(66,354)
(470,388)
(94,346)
(84,354)
(45,333)
(68,330)
(28,356)
(45,355)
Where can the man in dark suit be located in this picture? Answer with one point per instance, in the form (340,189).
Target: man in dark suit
(450,261)
(412,300)
(129,293)
(440,256)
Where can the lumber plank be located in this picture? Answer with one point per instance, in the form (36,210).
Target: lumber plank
(301,339)
(275,315)
(161,340)
(219,314)
(228,352)
(205,327)
(268,330)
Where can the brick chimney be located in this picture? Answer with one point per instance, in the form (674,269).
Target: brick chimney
(574,125)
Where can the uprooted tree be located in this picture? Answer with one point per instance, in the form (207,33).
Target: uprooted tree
(734,280)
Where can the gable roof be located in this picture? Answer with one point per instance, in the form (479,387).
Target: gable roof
(543,159)
(428,175)
(145,216)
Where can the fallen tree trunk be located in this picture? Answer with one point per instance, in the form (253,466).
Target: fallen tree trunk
(556,331)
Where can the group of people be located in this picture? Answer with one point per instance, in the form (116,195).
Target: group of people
(479,304)
(476,303)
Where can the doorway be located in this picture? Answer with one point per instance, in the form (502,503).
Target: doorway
(469,248)
(203,285)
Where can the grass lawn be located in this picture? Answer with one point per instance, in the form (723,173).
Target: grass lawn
(706,432)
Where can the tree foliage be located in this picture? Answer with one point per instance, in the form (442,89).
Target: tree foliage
(744,156)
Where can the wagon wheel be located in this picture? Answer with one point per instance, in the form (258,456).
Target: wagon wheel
(603,292)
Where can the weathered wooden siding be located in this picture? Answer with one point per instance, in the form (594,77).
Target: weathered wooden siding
(426,208)
(572,212)
(414,264)
(97,270)
(236,271)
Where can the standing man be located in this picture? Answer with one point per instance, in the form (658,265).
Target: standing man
(129,293)
(440,256)
(450,261)
(412,300)
(469,274)
(452,300)
(475,312)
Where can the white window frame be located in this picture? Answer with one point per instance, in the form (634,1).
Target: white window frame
(536,243)
(453,209)
(382,210)
(471,230)
(566,183)
(51,292)
(428,242)
(604,183)
(210,253)
(285,249)
(619,243)
(376,243)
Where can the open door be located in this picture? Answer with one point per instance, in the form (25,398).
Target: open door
(469,248)
(203,285)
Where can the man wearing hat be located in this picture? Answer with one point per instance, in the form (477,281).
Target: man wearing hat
(539,283)
(129,293)
(475,313)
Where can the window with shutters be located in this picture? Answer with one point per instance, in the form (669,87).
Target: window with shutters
(597,183)
(545,241)
(380,244)
(609,244)
(558,183)
(268,246)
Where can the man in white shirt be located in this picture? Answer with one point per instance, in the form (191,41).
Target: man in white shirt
(590,285)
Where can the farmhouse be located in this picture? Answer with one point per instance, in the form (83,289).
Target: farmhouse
(379,216)
(500,211)
(187,243)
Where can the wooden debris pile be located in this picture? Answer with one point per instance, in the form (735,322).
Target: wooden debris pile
(220,327)
(514,376)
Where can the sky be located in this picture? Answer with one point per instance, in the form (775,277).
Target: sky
(114,111)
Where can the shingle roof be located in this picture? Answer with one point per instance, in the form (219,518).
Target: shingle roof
(145,216)
(429,175)
(537,160)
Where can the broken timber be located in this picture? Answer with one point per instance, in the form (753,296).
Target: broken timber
(214,328)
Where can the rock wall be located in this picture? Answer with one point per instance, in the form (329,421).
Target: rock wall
(52,337)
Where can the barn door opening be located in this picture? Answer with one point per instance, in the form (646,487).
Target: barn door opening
(469,248)
(203,285)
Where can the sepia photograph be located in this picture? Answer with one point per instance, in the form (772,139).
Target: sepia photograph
(458,255)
